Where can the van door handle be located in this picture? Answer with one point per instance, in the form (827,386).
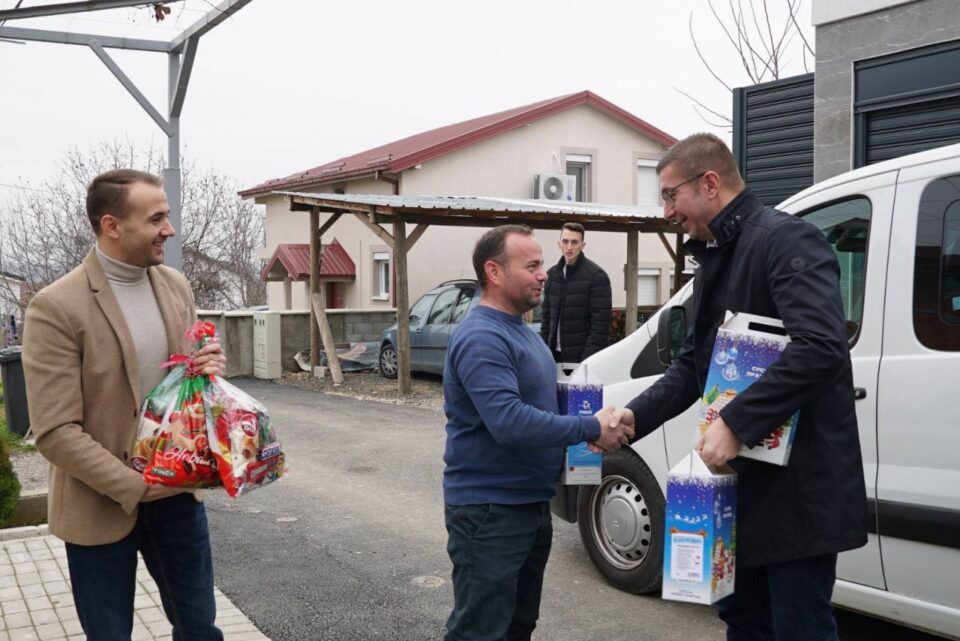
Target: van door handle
(859,393)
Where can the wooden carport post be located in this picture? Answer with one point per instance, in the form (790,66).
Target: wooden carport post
(630,280)
(679,260)
(319,323)
(404,384)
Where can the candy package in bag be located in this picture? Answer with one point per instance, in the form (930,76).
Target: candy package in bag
(172,446)
(246,448)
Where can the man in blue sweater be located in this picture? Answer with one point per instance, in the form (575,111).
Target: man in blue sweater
(505,443)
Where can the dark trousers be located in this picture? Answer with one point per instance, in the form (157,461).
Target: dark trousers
(173,538)
(782,602)
(499,553)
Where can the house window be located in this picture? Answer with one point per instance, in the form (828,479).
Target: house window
(578,166)
(648,287)
(381,275)
(648,185)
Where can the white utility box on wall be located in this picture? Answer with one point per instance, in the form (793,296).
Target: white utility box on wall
(266,345)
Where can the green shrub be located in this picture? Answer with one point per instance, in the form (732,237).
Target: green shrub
(9,485)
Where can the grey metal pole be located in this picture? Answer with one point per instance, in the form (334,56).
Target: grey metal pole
(171,174)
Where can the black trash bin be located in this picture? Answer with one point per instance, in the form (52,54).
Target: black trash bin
(14,391)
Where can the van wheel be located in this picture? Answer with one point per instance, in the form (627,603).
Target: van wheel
(621,523)
(388,361)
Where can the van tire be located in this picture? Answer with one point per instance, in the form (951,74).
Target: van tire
(621,523)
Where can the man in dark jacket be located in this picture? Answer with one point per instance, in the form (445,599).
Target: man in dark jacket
(793,519)
(576,301)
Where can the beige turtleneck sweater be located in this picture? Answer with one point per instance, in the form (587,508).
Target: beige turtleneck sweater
(131,286)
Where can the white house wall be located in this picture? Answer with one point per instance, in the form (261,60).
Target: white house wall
(502,166)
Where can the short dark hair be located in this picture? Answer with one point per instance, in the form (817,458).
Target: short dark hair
(702,152)
(107,193)
(492,246)
(577,227)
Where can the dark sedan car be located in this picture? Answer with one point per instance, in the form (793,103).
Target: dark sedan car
(432,321)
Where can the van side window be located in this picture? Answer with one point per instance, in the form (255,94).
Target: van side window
(647,362)
(936,267)
(846,225)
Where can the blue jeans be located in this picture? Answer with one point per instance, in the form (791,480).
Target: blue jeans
(782,602)
(499,553)
(172,535)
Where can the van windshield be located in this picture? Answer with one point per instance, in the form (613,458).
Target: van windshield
(846,226)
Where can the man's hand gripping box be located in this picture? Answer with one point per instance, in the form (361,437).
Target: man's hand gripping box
(745,347)
(579,395)
(700,537)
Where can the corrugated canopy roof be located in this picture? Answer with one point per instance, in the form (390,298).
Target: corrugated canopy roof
(407,152)
(473,211)
(293,260)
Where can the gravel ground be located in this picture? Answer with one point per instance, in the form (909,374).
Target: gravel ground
(369,386)
(32,469)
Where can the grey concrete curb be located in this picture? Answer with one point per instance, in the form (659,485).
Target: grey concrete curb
(26,532)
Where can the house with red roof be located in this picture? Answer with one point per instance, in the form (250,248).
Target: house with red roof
(596,151)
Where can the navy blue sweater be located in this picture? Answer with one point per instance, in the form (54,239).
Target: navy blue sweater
(505,439)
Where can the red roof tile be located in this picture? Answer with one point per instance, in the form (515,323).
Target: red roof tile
(407,152)
(335,262)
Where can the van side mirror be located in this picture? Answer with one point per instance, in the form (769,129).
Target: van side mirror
(671,332)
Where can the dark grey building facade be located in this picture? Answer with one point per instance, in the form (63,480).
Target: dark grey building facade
(887,80)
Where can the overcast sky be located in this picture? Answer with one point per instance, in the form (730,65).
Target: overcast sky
(286,85)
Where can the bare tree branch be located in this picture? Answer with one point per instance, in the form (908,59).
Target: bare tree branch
(719,115)
(700,55)
(47,232)
(762,41)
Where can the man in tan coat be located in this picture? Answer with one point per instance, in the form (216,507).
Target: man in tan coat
(93,342)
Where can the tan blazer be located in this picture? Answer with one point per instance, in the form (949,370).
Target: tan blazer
(83,391)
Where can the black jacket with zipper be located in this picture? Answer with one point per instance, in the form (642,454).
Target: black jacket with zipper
(773,264)
(580,304)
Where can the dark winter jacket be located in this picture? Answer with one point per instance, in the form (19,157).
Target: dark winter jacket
(581,304)
(773,264)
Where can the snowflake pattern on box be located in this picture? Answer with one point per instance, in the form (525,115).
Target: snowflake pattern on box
(740,358)
(580,466)
(700,538)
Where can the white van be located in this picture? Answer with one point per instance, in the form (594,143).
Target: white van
(896,229)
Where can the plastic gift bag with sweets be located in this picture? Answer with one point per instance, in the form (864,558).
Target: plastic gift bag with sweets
(246,447)
(172,446)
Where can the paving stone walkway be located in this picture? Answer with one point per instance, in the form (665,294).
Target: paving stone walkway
(37,605)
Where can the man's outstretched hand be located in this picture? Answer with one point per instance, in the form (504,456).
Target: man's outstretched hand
(616,430)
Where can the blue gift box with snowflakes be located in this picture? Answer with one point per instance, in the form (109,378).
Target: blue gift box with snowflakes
(745,347)
(580,394)
(700,532)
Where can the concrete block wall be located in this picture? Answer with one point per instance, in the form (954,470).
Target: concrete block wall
(347,326)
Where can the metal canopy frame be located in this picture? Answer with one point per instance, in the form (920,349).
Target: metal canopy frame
(397,211)
(181,53)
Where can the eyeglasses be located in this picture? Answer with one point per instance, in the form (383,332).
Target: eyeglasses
(669,193)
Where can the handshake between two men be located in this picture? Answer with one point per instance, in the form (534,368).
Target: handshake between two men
(717,445)
(616,430)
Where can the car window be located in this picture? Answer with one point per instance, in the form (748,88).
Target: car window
(441,308)
(846,225)
(463,304)
(538,313)
(936,271)
(420,309)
